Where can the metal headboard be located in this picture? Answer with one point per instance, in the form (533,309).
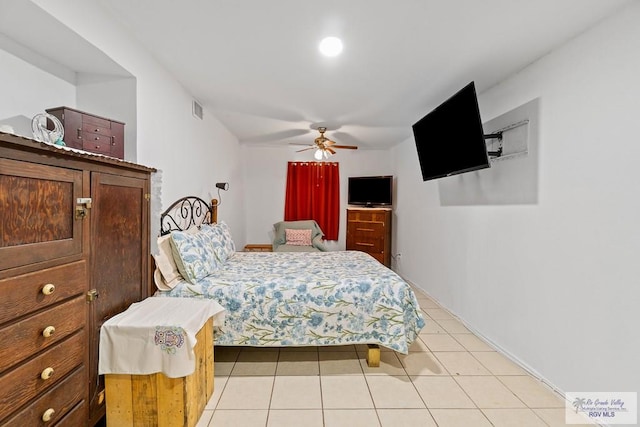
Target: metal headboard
(187,212)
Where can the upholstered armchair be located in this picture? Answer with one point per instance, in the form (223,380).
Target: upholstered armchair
(304,236)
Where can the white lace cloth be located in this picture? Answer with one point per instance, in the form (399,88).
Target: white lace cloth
(155,335)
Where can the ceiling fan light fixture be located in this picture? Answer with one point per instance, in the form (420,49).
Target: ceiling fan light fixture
(331,46)
(318,154)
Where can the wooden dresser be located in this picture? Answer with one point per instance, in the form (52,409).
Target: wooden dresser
(90,132)
(369,230)
(74,245)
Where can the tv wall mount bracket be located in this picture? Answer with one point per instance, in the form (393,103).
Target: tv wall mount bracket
(498,135)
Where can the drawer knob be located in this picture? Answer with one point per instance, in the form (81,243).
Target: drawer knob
(48,289)
(97,130)
(48,415)
(48,331)
(47,373)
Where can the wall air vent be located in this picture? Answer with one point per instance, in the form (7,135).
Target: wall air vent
(197,109)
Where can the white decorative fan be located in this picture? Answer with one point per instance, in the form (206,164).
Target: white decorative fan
(41,132)
(325,147)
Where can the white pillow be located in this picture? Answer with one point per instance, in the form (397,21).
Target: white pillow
(166,276)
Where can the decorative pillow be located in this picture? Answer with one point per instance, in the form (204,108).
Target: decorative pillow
(193,254)
(220,239)
(298,237)
(166,275)
(279,237)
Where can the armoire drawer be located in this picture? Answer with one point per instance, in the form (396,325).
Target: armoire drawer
(28,380)
(27,293)
(40,331)
(54,404)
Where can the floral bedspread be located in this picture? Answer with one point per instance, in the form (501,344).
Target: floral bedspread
(309,299)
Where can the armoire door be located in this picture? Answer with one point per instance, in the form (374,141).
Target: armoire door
(37,213)
(119,261)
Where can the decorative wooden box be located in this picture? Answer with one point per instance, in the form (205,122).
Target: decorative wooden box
(156,400)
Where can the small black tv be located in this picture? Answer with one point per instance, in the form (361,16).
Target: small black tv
(370,190)
(450,139)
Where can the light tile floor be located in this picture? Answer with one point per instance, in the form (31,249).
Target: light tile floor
(450,378)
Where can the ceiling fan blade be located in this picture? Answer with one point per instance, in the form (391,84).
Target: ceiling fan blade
(349,147)
(331,150)
(305,149)
(303,144)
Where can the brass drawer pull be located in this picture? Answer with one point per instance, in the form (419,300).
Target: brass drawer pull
(48,331)
(46,373)
(365,229)
(48,289)
(364,244)
(48,415)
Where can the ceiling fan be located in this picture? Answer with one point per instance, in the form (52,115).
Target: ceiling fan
(324,146)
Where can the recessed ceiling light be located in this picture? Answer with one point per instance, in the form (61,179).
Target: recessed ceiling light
(331,46)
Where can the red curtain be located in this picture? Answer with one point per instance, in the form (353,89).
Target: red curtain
(313,192)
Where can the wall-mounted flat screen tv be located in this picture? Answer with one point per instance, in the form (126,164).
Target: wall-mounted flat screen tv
(370,190)
(450,139)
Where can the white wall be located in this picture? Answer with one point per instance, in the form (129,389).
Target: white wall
(112,97)
(192,154)
(266,177)
(555,284)
(30,94)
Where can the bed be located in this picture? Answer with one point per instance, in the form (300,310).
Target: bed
(280,299)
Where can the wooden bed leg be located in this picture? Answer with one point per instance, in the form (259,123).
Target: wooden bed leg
(373,356)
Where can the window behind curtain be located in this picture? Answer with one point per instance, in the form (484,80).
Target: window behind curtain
(313,192)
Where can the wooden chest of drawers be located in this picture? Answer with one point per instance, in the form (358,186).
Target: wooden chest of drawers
(44,313)
(90,132)
(369,230)
(72,227)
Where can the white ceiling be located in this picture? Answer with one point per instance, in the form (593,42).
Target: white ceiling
(30,33)
(256,66)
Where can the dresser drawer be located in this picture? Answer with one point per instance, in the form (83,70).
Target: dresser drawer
(26,337)
(366,245)
(91,128)
(27,293)
(98,122)
(25,382)
(76,417)
(376,215)
(54,404)
(379,256)
(367,228)
(96,143)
